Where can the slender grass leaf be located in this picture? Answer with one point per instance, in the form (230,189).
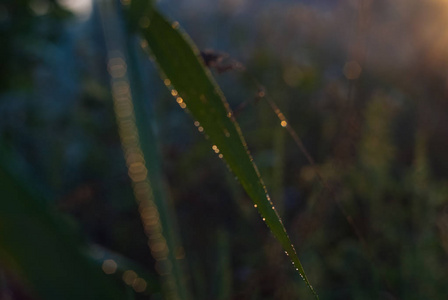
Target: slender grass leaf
(146,132)
(134,114)
(195,90)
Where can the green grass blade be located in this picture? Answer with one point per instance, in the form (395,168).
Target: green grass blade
(194,88)
(137,133)
(145,126)
(136,130)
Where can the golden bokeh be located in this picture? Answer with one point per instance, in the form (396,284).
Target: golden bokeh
(109,266)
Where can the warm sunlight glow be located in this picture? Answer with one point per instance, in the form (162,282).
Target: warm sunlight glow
(109,266)
(82,8)
(139,285)
(129,276)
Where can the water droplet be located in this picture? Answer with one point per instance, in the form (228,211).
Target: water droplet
(179,100)
(200,129)
(215,148)
(196,123)
(175,25)
(129,276)
(144,44)
(284,123)
(273,207)
(174,93)
(167,82)
(264,219)
(254,204)
(183,105)
(220,155)
(139,285)
(109,266)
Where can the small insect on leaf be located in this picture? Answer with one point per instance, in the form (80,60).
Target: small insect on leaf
(219,61)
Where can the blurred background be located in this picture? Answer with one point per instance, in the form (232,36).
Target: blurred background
(363,83)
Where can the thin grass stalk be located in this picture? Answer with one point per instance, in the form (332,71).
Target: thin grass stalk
(140,153)
(223,270)
(144,119)
(279,169)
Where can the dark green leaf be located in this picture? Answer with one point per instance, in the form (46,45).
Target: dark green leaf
(194,89)
(39,246)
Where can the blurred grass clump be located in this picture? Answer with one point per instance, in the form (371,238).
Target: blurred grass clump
(363,83)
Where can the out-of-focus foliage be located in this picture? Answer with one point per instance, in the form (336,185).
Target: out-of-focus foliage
(363,83)
(27,28)
(36,245)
